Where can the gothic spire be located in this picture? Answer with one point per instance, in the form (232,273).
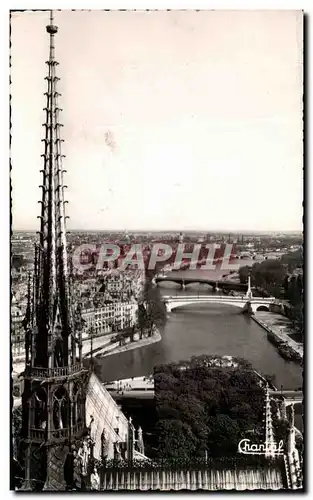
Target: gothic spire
(54,396)
(269,434)
(54,322)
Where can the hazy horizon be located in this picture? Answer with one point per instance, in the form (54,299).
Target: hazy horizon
(177,230)
(171,119)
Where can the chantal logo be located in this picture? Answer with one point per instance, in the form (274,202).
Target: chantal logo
(247,448)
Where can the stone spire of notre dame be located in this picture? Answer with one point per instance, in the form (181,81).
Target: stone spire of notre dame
(54,378)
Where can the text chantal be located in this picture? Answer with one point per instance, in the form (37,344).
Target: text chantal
(245,447)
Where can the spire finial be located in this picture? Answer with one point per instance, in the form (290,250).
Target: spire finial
(51,28)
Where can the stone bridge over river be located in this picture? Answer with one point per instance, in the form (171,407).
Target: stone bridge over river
(215,284)
(256,303)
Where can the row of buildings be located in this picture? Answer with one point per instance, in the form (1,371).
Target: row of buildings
(110,304)
(111,317)
(107,305)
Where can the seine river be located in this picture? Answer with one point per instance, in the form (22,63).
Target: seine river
(204,329)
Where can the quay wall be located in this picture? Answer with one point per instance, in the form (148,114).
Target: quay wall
(285,349)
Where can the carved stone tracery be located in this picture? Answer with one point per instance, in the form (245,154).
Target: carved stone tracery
(60,408)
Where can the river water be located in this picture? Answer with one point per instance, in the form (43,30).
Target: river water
(204,329)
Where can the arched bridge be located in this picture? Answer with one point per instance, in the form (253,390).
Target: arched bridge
(289,397)
(183,282)
(256,302)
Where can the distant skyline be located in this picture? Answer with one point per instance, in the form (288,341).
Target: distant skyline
(173,231)
(182,119)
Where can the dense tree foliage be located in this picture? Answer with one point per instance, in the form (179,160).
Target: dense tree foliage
(274,277)
(267,275)
(293,260)
(271,274)
(294,293)
(205,410)
(152,311)
(156,308)
(141,318)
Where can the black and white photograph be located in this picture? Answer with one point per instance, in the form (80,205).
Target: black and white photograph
(156,294)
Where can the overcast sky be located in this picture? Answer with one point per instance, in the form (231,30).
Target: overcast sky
(172,120)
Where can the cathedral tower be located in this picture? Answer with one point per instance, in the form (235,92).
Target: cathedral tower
(54,395)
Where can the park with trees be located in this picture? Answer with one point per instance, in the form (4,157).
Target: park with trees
(204,410)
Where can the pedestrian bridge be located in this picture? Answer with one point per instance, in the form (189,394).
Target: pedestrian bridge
(257,303)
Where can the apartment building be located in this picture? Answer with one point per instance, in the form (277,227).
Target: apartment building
(110,317)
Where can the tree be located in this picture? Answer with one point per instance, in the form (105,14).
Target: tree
(154,305)
(151,312)
(176,439)
(141,318)
(293,260)
(224,435)
(294,293)
(132,333)
(216,404)
(244,272)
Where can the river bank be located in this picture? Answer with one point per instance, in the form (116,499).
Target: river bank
(102,347)
(278,332)
(109,349)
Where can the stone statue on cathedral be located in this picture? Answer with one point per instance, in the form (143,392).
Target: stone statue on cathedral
(104,445)
(95,479)
(83,454)
(58,350)
(140,443)
(117,451)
